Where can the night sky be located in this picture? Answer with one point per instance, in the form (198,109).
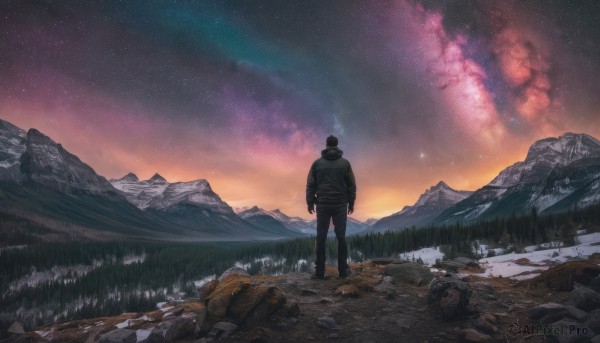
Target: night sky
(244,93)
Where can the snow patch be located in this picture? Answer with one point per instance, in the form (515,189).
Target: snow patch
(429,256)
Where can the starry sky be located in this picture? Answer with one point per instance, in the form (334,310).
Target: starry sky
(244,93)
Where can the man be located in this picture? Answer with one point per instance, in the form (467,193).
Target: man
(331,186)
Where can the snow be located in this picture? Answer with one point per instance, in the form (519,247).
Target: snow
(5,164)
(505,266)
(54,274)
(124,324)
(133,259)
(428,255)
(204,280)
(589,239)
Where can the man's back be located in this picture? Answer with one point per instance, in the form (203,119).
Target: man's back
(332,178)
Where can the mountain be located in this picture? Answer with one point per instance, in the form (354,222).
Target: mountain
(12,146)
(297,224)
(557,174)
(429,205)
(196,206)
(260,217)
(43,184)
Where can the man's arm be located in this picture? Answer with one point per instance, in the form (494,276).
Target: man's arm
(351,187)
(311,188)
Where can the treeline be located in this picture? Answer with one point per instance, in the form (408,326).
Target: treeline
(35,293)
(515,231)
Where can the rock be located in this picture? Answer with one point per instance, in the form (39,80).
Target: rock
(222,330)
(595,284)
(326,300)
(461,263)
(204,291)
(327,323)
(486,323)
(171,330)
(119,336)
(551,312)
(16,327)
(563,276)
(585,298)
(472,335)
(308,291)
(228,288)
(259,334)
(413,273)
(233,270)
(348,291)
(273,301)
(451,295)
(573,332)
(593,320)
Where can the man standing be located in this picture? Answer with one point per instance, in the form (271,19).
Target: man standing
(331,186)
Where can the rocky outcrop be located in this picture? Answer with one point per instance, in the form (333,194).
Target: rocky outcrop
(408,272)
(564,276)
(580,313)
(451,295)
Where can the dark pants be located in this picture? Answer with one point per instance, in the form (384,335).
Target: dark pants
(326,213)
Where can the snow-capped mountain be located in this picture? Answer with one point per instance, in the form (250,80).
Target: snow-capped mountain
(556,174)
(429,205)
(157,193)
(544,155)
(40,179)
(194,205)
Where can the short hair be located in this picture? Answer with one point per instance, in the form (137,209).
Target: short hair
(332,141)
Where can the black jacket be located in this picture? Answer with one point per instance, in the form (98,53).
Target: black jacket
(331,180)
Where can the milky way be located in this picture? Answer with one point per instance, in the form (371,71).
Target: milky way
(243,94)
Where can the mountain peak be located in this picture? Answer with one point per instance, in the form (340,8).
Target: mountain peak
(564,149)
(129,177)
(157,178)
(441,185)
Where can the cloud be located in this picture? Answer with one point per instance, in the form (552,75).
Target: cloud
(526,70)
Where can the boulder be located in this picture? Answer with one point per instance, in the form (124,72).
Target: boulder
(119,336)
(472,335)
(585,298)
(204,291)
(450,294)
(461,263)
(233,270)
(551,312)
(239,299)
(486,323)
(348,291)
(16,327)
(408,272)
(595,284)
(564,276)
(574,332)
(221,330)
(171,330)
(327,323)
(226,290)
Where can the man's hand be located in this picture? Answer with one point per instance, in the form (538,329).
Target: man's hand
(350,209)
(311,208)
